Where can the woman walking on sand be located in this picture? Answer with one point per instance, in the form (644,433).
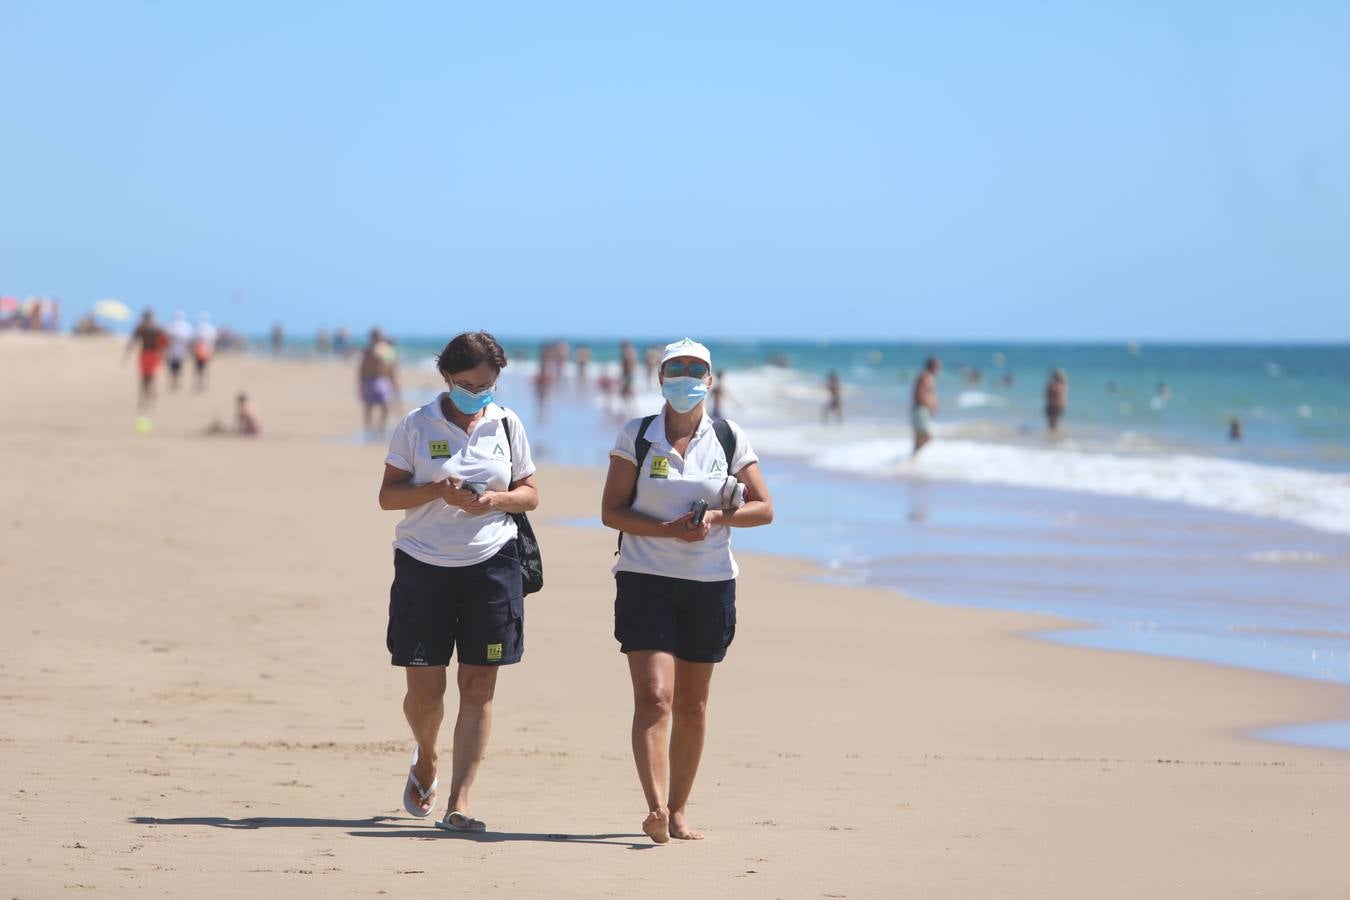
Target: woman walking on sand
(678,482)
(457,467)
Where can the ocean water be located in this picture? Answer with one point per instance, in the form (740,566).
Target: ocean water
(1142,520)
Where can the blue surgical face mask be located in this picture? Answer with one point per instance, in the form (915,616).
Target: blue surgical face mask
(683,394)
(467,401)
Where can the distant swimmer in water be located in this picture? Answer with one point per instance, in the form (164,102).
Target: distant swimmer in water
(1235,430)
(1056,399)
(377,381)
(627,370)
(721,397)
(925,404)
(834,404)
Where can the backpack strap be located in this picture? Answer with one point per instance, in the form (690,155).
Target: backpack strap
(640,447)
(506,427)
(727,439)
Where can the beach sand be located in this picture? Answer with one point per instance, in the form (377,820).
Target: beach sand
(198,700)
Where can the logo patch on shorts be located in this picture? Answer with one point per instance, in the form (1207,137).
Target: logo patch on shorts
(439,449)
(419,656)
(660,467)
(494,652)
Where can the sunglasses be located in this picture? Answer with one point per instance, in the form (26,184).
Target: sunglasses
(679,370)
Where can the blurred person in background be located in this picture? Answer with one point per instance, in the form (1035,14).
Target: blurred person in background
(377,382)
(925,403)
(152,340)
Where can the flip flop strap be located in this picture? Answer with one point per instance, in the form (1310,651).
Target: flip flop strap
(424,794)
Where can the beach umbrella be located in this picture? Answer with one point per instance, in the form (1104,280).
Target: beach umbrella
(9,304)
(112,309)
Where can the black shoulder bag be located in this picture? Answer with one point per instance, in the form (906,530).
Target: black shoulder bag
(527,546)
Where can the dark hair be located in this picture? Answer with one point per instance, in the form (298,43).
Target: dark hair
(469,351)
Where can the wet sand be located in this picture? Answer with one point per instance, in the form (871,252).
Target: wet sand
(198,699)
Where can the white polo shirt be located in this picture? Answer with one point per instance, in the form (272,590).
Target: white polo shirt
(431,447)
(667,486)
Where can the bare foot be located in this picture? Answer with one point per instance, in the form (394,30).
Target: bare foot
(679,828)
(657,826)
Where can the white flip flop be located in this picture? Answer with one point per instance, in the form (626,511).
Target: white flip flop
(422,793)
(458,821)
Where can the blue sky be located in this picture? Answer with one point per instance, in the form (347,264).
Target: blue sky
(979,171)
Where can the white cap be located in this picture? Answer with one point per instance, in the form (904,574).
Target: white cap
(686,347)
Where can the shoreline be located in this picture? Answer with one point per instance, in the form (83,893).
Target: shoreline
(213,668)
(1331,734)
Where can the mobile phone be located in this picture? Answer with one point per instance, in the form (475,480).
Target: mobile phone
(700,507)
(476,486)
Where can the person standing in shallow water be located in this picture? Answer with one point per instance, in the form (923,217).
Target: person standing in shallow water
(1056,399)
(925,404)
(834,399)
(675,580)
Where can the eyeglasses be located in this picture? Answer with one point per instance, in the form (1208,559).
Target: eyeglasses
(679,370)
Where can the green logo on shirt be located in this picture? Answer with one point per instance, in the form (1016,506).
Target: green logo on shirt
(439,449)
(498,452)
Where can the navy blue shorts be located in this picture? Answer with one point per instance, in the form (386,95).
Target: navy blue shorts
(480,607)
(693,620)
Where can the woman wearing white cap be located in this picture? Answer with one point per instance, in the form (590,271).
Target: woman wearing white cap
(678,482)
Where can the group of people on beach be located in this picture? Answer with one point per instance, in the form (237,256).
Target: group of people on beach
(170,347)
(924,400)
(461,471)
(173,344)
(30,314)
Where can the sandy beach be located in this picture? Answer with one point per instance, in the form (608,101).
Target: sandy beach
(198,700)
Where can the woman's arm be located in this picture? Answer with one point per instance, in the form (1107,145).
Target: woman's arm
(616,513)
(398,492)
(758,508)
(522,497)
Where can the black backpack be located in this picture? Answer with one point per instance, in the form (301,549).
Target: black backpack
(527,546)
(641,445)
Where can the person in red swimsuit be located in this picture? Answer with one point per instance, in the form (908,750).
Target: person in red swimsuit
(152,340)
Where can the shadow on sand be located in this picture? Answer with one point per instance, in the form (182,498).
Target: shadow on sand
(392,827)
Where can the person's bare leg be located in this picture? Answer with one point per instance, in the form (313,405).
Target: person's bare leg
(690,709)
(653,675)
(477,685)
(146,397)
(424,707)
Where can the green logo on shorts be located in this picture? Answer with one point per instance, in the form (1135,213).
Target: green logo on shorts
(494,652)
(419,655)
